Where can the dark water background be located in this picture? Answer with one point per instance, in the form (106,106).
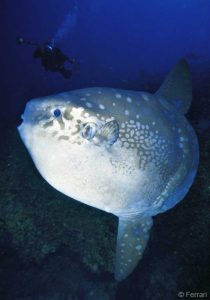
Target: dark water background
(118,43)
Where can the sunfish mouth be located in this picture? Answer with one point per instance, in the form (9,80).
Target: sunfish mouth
(21,121)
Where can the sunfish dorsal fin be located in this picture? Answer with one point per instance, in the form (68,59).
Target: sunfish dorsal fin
(177,87)
(133,234)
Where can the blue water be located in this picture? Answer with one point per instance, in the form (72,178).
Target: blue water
(129,44)
(117,43)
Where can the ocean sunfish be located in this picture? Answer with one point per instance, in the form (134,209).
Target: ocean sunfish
(129,153)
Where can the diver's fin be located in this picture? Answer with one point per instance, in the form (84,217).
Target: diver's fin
(177,87)
(133,234)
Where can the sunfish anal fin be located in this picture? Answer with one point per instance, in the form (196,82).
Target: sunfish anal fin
(132,237)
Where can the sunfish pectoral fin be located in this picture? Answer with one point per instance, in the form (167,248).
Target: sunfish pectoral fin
(177,87)
(109,132)
(133,234)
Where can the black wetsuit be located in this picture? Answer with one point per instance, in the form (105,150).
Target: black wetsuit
(53,60)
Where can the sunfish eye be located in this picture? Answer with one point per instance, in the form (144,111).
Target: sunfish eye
(89,130)
(57,112)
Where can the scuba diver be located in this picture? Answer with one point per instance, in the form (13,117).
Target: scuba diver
(52,58)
